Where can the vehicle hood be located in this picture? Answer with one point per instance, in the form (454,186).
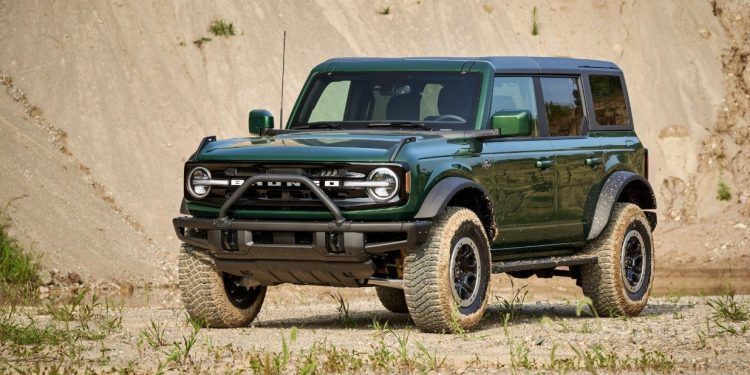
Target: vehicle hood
(328,146)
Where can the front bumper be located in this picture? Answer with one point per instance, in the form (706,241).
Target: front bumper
(298,240)
(336,253)
(300,252)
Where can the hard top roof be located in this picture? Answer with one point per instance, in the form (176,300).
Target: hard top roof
(501,64)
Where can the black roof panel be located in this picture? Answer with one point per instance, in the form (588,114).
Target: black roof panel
(508,64)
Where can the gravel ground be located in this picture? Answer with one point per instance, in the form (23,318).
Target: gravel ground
(674,334)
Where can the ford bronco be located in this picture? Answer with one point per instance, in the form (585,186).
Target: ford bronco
(422,177)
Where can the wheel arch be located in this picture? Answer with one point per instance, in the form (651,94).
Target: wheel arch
(622,187)
(460,192)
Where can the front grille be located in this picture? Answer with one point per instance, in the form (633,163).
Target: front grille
(284,196)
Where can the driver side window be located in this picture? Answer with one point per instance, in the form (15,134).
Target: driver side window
(512,94)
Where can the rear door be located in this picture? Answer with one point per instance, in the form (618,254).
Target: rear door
(578,157)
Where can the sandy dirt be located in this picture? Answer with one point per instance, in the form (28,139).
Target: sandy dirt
(674,334)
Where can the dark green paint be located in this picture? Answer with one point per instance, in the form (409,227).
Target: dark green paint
(259,120)
(543,189)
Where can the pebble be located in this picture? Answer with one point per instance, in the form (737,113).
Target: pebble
(742,226)
(46,278)
(74,278)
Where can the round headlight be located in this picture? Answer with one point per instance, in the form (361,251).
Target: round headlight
(193,182)
(389,187)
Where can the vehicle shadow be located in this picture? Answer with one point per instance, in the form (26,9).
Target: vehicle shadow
(494,317)
(362,320)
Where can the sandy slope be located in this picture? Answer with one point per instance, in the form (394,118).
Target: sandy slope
(133,94)
(54,205)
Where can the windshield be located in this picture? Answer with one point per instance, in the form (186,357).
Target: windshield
(422,100)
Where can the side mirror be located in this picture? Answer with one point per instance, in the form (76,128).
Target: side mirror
(259,121)
(512,123)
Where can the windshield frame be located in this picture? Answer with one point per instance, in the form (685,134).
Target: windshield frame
(303,108)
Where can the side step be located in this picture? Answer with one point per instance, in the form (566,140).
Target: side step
(542,263)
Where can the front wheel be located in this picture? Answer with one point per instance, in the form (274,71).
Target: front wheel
(620,283)
(215,298)
(392,299)
(446,281)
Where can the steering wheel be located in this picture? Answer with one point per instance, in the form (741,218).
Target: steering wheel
(450,117)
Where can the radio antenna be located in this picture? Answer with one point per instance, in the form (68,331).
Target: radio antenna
(283,61)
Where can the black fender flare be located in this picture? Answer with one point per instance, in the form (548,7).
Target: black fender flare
(615,184)
(442,193)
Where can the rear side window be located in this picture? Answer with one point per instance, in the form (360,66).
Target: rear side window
(562,101)
(609,100)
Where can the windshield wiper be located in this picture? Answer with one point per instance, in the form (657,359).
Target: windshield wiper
(320,125)
(400,124)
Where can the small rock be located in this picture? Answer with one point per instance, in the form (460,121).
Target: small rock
(43,290)
(74,278)
(126,289)
(704,33)
(47,278)
(742,226)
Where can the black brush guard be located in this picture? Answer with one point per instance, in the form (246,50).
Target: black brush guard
(334,252)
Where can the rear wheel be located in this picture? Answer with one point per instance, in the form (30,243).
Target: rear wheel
(215,298)
(620,283)
(392,299)
(446,281)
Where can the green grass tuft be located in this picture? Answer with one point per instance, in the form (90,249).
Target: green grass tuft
(384,11)
(16,265)
(727,308)
(534,24)
(221,28)
(723,194)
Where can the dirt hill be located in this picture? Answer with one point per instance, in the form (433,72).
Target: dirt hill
(105,101)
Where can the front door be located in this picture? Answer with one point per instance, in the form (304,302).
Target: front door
(520,172)
(522,177)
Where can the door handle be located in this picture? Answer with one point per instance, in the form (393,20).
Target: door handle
(593,161)
(544,164)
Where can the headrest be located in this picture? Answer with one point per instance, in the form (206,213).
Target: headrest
(403,107)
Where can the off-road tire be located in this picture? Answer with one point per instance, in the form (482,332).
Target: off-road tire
(392,299)
(204,294)
(603,282)
(428,287)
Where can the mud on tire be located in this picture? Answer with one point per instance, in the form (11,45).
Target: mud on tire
(392,299)
(216,299)
(442,298)
(620,283)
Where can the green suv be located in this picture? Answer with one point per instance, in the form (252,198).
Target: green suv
(422,177)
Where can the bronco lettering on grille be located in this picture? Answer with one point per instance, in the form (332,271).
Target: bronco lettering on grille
(326,183)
